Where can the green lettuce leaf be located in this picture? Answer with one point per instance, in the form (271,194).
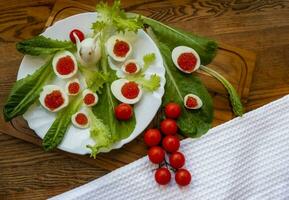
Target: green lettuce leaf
(56,132)
(115,17)
(173,37)
(94,79)
(99,132)
(192,123)
(41,45)
(104,109)
(26,91)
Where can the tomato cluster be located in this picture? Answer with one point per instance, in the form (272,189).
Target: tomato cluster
(165,141)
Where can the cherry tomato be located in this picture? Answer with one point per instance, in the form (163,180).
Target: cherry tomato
(156,154)
(123,111)
(162,176)
(171,143)
(177,160)
(173,110)
(79,34)
(169,127)
(152,137)
(183,177)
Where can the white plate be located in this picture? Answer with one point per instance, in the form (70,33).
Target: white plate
(75,140)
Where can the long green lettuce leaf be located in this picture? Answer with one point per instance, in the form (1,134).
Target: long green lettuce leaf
(192,123)
(104,109)
(56,132)
(26,91)
(40,45)
(173,37)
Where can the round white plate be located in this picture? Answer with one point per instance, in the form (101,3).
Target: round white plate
(75,139)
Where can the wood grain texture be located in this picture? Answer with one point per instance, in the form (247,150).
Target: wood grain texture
(26,172)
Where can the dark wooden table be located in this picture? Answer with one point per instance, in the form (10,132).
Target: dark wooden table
(262,26)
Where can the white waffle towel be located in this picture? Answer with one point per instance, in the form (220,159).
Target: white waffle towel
(245,158)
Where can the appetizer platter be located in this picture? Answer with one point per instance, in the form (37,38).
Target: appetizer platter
(197,116)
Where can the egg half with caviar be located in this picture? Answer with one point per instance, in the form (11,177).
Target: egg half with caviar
(130,67)
(192,101)
(80,120)
(126,91)
(118,48)
(186,59)
(64,64)
(89,98)
(73,87)
(53,98)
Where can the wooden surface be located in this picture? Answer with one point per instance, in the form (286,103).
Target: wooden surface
(26,172)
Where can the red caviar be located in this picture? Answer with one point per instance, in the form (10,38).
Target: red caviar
(131,68)
(73,88)
(130,90)
(81,119)
(187,61)
(89,99)
(65,65)
(54,100)
(191,102)
(120,48)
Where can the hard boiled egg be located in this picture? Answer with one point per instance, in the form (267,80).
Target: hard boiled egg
(64,64)
(126,91)
(118,48)
(130,67)
(186,59)
(192,101)
(80,120)
(72,87)
(53,98)
(89,98)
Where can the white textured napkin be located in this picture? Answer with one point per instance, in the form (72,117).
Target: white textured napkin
(245,158)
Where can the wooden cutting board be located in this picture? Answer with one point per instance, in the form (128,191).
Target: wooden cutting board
(235,64)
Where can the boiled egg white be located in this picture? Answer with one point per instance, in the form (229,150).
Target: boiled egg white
(70,66)
(118,85)
(80,120)
(192,101)
(130,67)
(112,43)
(73,87)
(192,57)
(89,98)
(49,94)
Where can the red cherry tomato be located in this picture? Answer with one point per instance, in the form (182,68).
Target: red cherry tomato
(169,127)
(152,137)
(156,154)
(162,176)
(177,160)
(173,110)
(79,34)
(123,112)
(171,143)
(183,177)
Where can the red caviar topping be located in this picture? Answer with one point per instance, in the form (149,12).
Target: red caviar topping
(81,119)
(120,48)
(73,88)
(191,102)
(131,68)
(187,61)
(89,99)
(65,65)
(130,90)
(54,100)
